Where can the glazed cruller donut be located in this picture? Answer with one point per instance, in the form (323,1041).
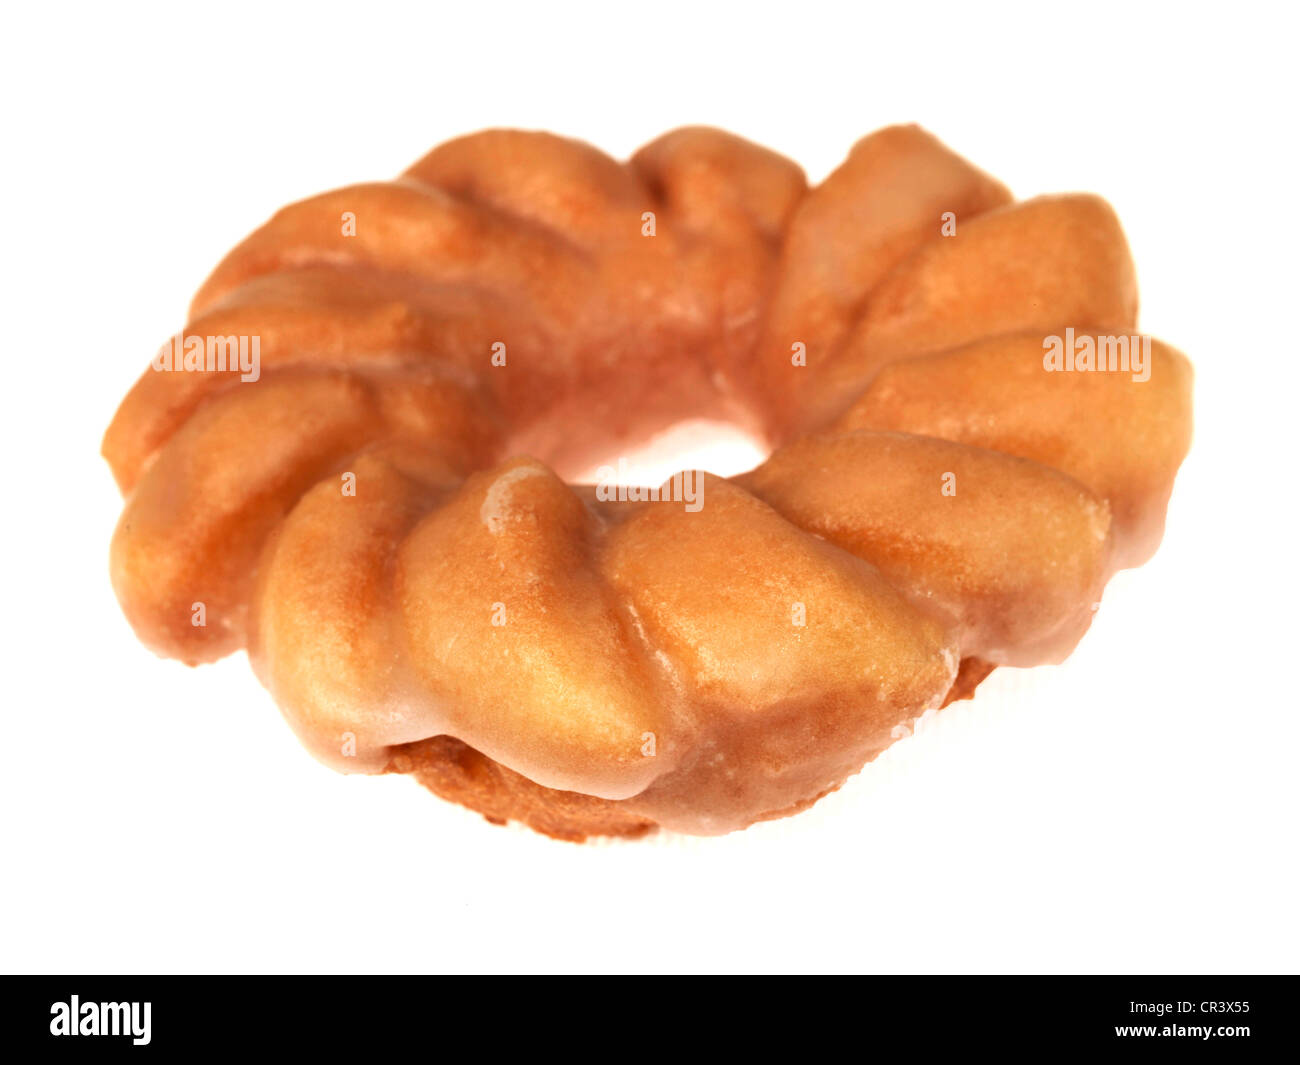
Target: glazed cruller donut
(381,516)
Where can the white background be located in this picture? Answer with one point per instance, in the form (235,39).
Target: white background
(1132,810)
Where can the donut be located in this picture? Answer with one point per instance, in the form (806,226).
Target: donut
(357,461)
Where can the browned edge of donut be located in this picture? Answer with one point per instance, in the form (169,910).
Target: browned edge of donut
(455,771)
(970,675)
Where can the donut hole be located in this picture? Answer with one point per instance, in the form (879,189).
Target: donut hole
(717,447)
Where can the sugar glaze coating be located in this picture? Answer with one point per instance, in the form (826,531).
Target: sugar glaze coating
(516,306)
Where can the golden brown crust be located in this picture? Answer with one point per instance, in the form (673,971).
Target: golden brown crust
(460,774)
(456,772)
(970,676)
